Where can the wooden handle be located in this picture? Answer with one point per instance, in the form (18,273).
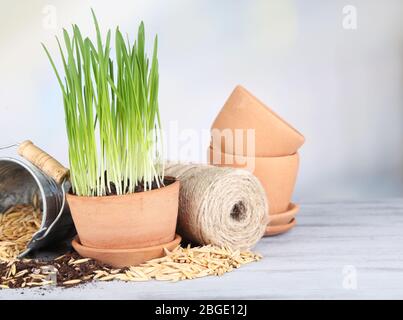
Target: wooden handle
(43,161)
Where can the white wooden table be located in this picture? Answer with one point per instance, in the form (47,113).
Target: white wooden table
(347,250)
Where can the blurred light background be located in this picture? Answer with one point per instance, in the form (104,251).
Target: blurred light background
(341,88)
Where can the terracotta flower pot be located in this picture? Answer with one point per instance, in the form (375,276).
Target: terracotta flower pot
(125,257)
(131,221)
(273,136)
(276,174)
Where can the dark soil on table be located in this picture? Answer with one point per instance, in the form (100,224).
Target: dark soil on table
(65,271)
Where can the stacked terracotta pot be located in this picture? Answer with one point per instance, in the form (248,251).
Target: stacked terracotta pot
(247,134)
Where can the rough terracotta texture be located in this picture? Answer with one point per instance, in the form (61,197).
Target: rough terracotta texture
(125,257)
(284,217)
(273,136)
(276,174)
(275,230)
(131,221)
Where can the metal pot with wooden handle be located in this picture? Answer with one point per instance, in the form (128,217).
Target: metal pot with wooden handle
(38,176)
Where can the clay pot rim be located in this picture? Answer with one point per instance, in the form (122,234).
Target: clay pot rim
(292,208)
(267,109)
(285,226)
(249,157)
(76,242)
(276,230)
(133,194)
(290,213)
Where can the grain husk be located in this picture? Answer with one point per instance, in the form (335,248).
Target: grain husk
(17,226)
(182,263)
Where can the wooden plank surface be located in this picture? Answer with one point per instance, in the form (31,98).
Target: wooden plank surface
(350,250)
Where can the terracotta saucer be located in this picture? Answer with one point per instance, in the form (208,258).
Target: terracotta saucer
(125,257)
(272,231)
(280,219)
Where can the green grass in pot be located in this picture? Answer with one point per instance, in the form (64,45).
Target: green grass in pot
(111,113)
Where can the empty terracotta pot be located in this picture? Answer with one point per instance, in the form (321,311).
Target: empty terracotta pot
(131,221)
(120,258)
(276,174)
(284,218)
(273,136)
(275,230)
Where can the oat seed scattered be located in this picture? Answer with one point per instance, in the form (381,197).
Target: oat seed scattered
(179,264)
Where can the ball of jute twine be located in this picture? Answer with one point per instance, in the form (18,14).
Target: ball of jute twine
(220,206)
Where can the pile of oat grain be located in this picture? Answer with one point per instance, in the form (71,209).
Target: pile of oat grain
(71,269)
(17,226)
